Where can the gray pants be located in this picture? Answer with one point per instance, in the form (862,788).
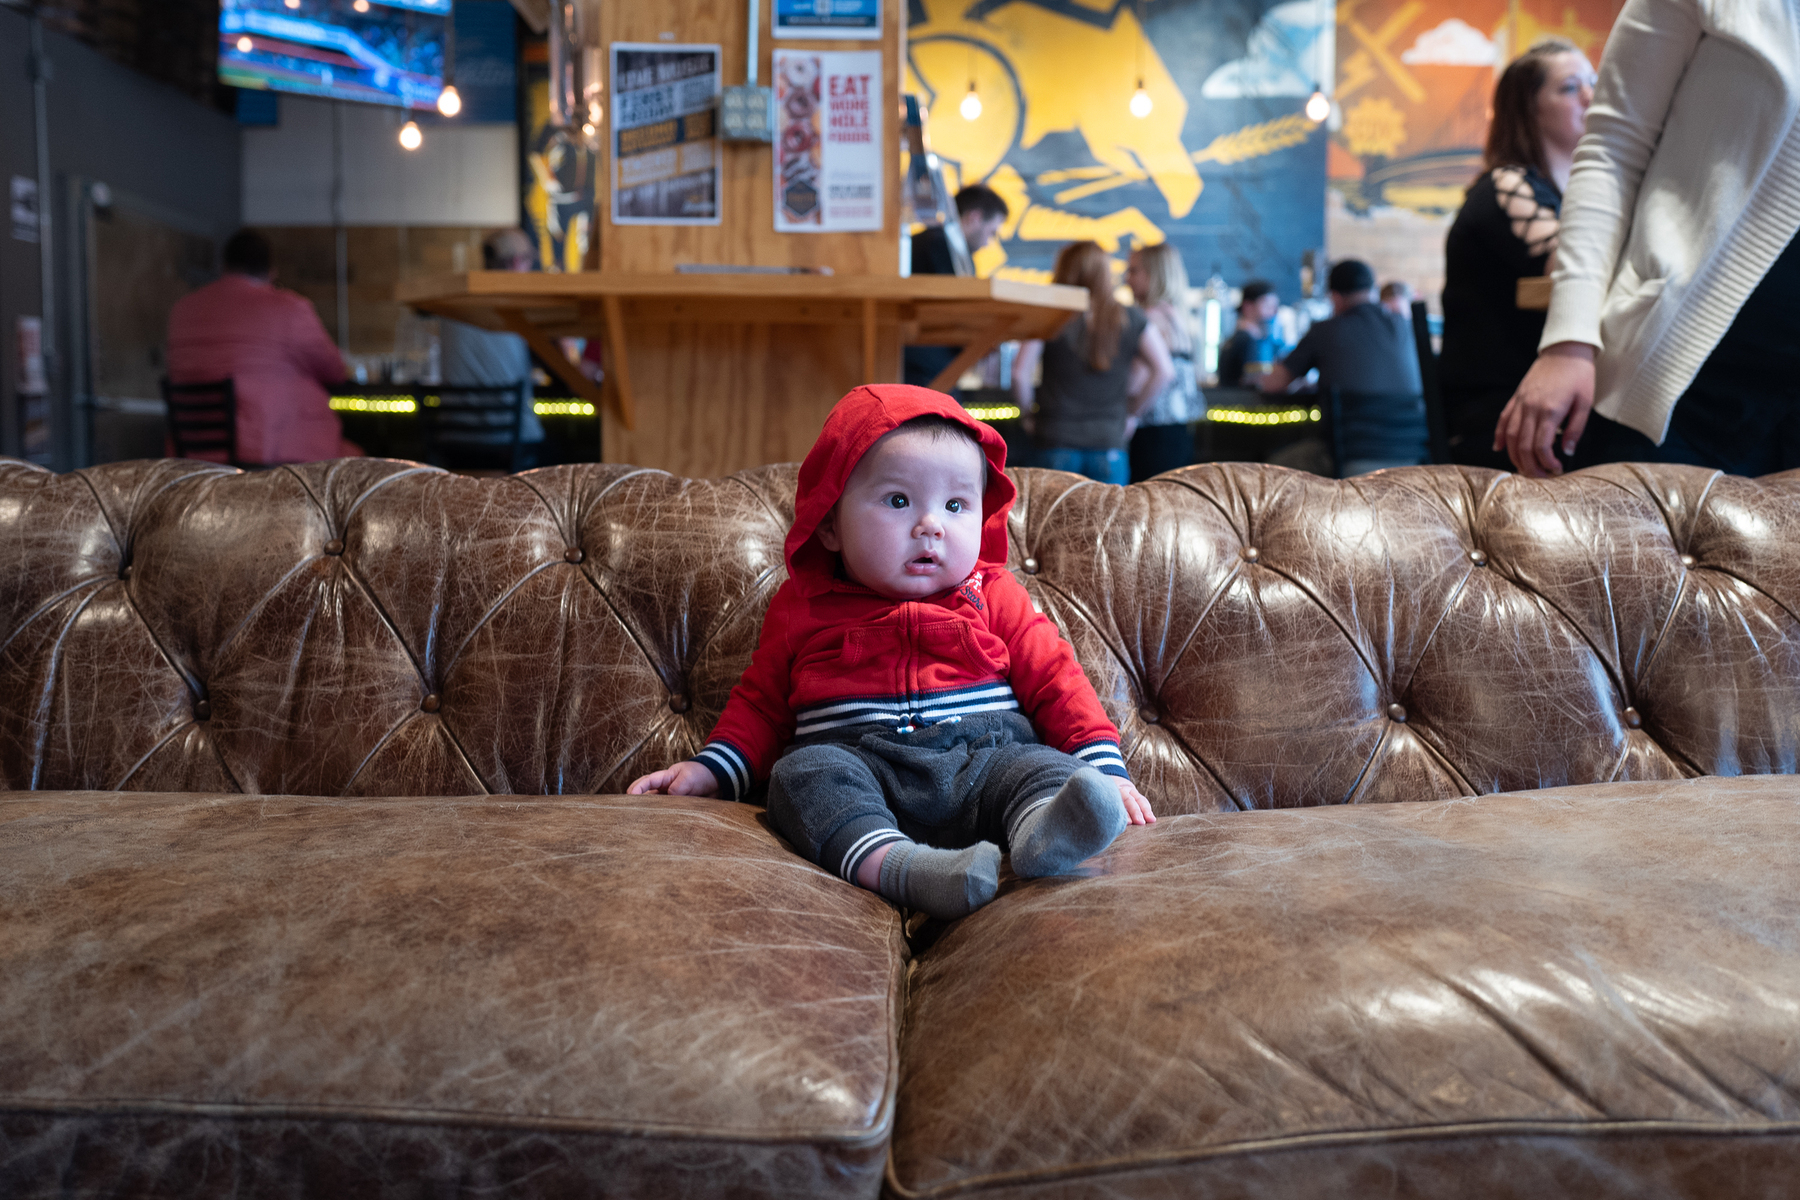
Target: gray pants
(840,794)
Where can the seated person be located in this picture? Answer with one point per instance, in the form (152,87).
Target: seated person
(902,681)
(1366,353)
(474,356)
(980,212)
(272,345)
(1397,298)
(1255,339)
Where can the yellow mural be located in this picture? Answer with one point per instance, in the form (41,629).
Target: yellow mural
(1043,68)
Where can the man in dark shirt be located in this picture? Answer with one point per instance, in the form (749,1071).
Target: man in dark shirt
(980,212)
(1367,354)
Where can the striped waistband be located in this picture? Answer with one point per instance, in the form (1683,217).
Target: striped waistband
(900,711)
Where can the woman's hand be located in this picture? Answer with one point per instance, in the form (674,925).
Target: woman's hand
(682,779)
(1556,395)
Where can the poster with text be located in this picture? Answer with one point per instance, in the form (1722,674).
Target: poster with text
(828,141)
(665,134)
(828,18)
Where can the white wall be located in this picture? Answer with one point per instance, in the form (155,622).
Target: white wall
(462,175)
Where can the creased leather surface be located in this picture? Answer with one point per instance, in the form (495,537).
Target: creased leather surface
(1255,632)
(612,996)
(1589,991)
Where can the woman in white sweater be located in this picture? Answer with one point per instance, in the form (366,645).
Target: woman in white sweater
(1674,325)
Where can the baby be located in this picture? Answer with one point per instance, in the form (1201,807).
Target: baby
(903,679)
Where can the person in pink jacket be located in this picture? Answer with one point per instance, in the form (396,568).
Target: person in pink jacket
(271,343)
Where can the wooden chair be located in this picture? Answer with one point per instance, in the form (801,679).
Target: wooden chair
(473,426)
(203,420)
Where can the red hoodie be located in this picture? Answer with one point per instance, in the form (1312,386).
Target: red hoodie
(834,654)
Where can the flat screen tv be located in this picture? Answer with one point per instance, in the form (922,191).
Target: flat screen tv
(378,51)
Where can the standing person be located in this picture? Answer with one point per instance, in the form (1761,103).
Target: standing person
(1366,354)
(1674,325)
(980,212)
(482,357)
(272,345)
(1164,440)
(1088,406)
(1255,339)
(1505,232)
(1397,297)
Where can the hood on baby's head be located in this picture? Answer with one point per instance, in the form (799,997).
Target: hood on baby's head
(856,423)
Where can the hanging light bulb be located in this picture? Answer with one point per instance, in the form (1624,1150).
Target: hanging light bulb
(245,45)
(410,137)
(361,6)
(293,3)
(1141,104)
(970,108)
(449,102)
(1318,106)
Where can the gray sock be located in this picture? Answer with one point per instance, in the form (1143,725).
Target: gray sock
(1082,819)
(942,883)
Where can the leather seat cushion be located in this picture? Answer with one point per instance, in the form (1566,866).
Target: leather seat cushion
(1586,991)
(601,996)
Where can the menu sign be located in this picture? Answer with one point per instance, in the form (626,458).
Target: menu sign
(828,141)
(666,163)
(827,18)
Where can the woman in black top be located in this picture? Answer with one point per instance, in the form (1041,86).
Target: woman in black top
(1507,231)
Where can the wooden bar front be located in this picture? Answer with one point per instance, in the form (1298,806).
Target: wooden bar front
(709,374)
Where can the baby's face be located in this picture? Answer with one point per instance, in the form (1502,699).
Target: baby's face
(909,522)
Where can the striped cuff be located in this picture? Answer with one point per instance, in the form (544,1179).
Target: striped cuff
(729,767)
(1103,757)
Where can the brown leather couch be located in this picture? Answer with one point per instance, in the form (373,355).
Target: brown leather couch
(315,881)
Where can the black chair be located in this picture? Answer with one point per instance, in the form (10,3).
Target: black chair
(1435,421)
(203,419)
(471,426)
(1376,425)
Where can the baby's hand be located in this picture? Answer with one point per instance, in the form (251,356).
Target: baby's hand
(682,779)
(1136,807)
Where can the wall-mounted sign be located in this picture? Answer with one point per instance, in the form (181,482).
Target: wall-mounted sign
(828,18)
(666,163)
(828,141)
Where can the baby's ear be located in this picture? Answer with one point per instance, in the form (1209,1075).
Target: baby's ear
(826,532)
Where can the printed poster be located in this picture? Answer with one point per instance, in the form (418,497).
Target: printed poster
(828,18)
(666,163)
(828,141)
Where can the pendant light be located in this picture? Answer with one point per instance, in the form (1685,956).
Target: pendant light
(410,137)
(245,45)
(970,108)
(449,102)
(1141,104)
(1318,105)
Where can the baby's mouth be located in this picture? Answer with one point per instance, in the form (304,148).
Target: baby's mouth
(922,564)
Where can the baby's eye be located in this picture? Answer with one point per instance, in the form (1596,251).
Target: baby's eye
(897,500)
(957,506)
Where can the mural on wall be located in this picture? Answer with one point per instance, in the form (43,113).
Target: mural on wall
(1225,165)
(1414,80)
(558,179)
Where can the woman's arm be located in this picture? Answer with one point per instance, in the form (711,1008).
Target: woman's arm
(1024,374)
(1153,352)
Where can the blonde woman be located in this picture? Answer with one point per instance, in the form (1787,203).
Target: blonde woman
(1164,439)
(1089,402)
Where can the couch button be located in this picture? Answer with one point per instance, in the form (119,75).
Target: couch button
(1478,557)
(679,703)
(1148,715)
(1687,560)
(1634,718)
(1250,553)
(1030,565)
(202,710)
(1397,712)
(573,554)
(431,703)
(125,571)
(334,546)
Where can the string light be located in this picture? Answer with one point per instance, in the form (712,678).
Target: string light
(410,137)
(1318,106)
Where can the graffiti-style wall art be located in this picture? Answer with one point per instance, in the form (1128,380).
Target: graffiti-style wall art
(1415,78)
(1225,165)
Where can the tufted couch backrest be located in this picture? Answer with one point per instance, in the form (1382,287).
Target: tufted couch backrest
(1262,638)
